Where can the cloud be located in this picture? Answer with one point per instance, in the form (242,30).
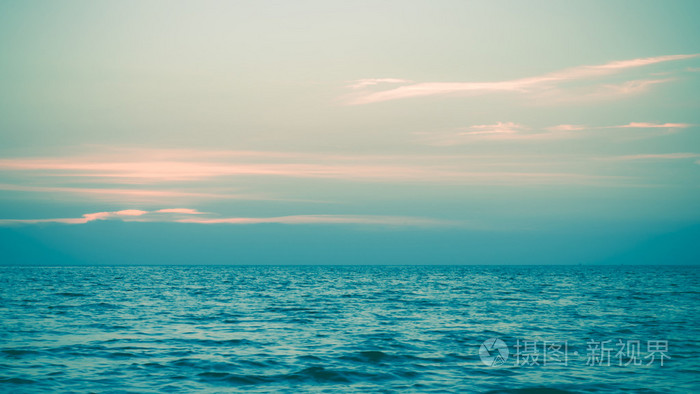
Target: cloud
(141,168)
(596,92)
(174,215)
(645,125)
(590,92)
(631,125)
(656,156)
(326,219)
(465,135)
(363,83)
(498,128)
(510,131)
(501,131)
(521,85)
(188,170)
(630,87)
(186,211)
(566,127)
(132,195)
(622,64)
(88,217)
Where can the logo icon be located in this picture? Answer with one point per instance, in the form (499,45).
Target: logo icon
(493,352)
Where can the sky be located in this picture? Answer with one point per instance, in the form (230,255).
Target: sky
(364,132)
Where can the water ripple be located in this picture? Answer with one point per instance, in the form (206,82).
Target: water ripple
(329,329)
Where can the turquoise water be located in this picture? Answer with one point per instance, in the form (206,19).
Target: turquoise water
(347,329)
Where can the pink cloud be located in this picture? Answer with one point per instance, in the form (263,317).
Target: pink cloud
(631,125)
(363,83)
(183,171)
(157,216)
(599,92)
(621,64)
(498,128)
(132,195)
(130,212)
(88,217)
(324,219)
(406,169)
(630,87)
(501,131)
(186,211)
(645,125)
(657,156)
(442,88)
(510,131)
(516,85)
(113,168)
(566,127)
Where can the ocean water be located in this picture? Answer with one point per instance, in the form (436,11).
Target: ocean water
(349,329)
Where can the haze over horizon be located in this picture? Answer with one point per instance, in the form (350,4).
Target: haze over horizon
(349,133)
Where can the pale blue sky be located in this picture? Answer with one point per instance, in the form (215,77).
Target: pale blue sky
(349,132)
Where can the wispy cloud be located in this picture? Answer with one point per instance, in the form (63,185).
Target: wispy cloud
(646,125)
(630,87)
(175,215)
(132,195)
(510,131)
(115,170)
(655,156)
(567,127)
(499,128)
(186,211)
(593,93)
(327,219)
(363,83)
(501,131)
(622,64)
(124,215)
(516,85)
(631,125)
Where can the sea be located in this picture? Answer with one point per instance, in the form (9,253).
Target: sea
(350,329)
